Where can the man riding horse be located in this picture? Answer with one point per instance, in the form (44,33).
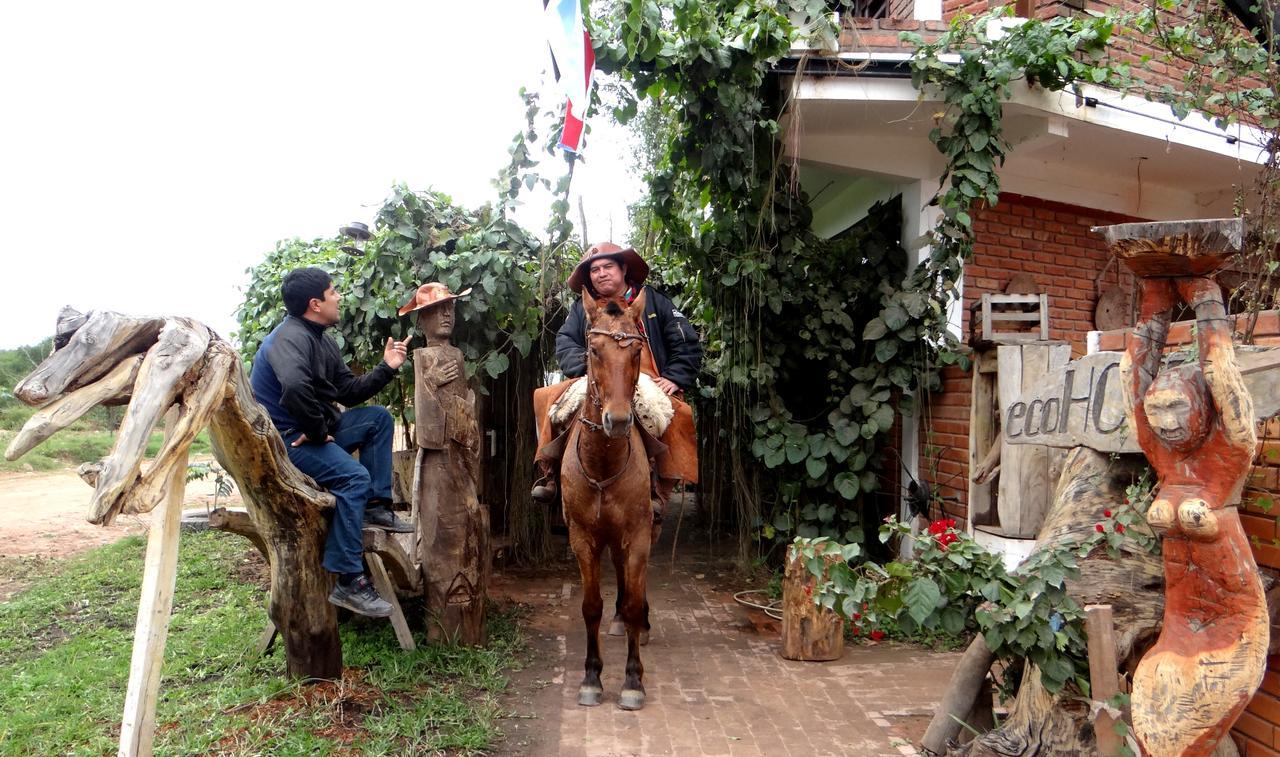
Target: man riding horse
(671,357)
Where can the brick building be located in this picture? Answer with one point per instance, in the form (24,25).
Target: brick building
(859,133)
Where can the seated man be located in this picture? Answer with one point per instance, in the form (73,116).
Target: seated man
(671,358)
(298,376)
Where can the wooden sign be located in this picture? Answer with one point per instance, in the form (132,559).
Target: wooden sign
(1081,404)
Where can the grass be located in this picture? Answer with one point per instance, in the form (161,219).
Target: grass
(64,662)
(87,440)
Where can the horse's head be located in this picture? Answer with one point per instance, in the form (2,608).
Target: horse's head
(614,346)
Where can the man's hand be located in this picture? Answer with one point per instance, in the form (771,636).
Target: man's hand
(667,385)
(301,440)
(394,353)
(443,373)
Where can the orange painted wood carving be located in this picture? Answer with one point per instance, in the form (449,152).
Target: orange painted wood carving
(1194,420)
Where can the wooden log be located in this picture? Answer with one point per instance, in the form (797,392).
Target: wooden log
(159,576)
(1042,723)
(967,684)
(238,522)
(96,347)
(1104,679)
(68,408)
(160,379)
(288,511)
(809,632)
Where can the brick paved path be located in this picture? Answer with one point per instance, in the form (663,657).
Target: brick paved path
(715,682)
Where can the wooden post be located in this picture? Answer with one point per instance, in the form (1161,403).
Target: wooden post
(159,576)
(809,632)
(1104,680)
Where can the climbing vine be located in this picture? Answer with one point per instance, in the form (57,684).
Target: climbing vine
(811,343)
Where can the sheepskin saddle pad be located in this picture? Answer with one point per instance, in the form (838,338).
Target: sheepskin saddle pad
(652,405)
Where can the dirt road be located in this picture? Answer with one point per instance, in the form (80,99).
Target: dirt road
(42,517)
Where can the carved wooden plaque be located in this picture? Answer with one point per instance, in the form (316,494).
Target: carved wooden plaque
(1081,405)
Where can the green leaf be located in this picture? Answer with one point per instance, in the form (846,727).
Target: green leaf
(886,349)
(921,598)
(846,485)
(815,467)
(875,329)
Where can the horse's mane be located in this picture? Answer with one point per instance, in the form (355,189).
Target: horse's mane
(613,308)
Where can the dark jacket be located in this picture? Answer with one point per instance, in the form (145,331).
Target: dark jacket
(674,343)
(298,375)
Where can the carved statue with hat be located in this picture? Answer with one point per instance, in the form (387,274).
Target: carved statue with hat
(670,361)
(453,527)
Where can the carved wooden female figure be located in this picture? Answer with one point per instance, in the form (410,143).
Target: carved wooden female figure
(1194,421)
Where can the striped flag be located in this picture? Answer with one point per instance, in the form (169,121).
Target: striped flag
(573,63)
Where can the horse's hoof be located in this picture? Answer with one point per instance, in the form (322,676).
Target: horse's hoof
(617,627)
(631,699)
(644,638)
(590,696)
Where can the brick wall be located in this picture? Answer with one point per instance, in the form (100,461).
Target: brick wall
(1051,242)
(1258,730)
(881,35)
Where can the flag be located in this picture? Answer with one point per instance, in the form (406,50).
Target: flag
(573,64)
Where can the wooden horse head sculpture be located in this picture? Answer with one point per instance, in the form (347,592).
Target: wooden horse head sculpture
(605,490)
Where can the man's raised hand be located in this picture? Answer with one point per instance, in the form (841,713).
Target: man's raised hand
(395,353)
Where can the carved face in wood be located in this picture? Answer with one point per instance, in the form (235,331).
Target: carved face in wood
(1178,407)
(436,322)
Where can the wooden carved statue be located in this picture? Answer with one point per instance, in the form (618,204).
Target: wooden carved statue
(453,527)
(1195,423)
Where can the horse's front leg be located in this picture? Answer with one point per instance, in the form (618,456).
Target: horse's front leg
(635,613)
(591,692)
(616,626)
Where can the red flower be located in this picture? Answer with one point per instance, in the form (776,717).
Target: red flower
(864,606)
(1119,528)
(1099,528)
(808,591)
(1106,513)
(856,630)
(877,635)
(857,615)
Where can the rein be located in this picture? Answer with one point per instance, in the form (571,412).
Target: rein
(623,339)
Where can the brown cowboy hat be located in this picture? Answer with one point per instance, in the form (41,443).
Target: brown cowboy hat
(430,294)
(637,269)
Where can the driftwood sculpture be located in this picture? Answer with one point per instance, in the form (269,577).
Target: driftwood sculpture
(179,367)
(453,527)
(1195,423)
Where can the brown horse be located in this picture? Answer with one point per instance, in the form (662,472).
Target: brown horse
(605,490)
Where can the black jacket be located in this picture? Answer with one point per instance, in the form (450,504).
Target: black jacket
(674,343)
(298,375)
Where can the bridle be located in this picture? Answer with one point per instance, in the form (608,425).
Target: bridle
(623,339)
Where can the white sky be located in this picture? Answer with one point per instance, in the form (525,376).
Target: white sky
(151,152)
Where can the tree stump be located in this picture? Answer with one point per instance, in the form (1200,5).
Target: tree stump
(810,632)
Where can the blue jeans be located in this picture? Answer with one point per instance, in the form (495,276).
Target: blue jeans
(353,483)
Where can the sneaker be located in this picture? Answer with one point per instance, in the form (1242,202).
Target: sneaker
(380,516)
(361,598)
